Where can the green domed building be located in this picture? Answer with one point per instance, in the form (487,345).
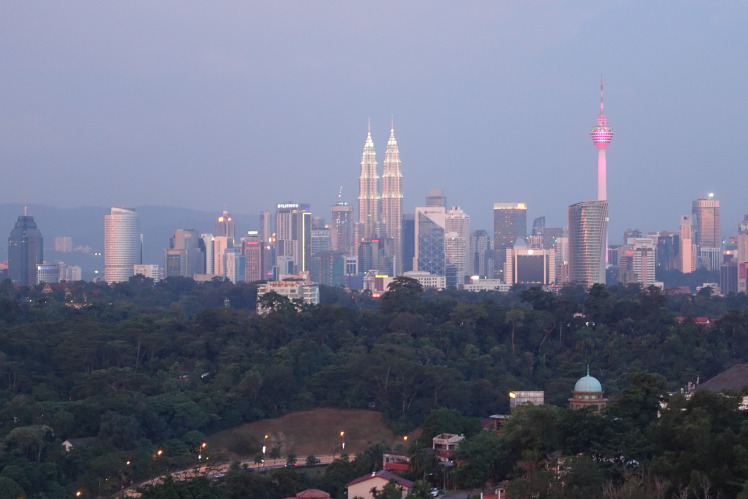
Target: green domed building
(588,392)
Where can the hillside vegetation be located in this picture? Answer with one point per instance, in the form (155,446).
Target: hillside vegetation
(143,367)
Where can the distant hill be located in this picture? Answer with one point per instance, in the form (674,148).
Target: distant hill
(86,227)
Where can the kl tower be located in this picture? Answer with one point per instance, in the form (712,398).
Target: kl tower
(601,135)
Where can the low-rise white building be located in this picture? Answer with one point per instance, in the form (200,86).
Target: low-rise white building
(293,290)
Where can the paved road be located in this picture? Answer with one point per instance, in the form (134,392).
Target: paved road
(461,494)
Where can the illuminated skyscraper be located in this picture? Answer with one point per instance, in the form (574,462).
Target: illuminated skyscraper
(341,229)
(123,244)
(25,251)
(601,135)
(225,227)
(392,200)
(587,224)
(705,218)
(369,199)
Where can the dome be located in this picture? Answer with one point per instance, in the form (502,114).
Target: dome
(588,384)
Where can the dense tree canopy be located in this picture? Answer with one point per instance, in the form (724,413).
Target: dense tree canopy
(138,366)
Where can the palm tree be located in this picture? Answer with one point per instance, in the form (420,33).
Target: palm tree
(514,317)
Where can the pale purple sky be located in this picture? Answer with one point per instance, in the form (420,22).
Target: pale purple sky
(247,104)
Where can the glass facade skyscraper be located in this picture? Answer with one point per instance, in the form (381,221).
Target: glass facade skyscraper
(587,229)
(24,251)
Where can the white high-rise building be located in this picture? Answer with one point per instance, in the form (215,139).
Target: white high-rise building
(369,196)
(392,200)
(221,244)
(644,261)
(123,244)
(150,271)
(207,247)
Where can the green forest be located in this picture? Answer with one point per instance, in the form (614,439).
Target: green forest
(140,366)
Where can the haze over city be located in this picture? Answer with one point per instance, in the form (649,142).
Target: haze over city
(245,106)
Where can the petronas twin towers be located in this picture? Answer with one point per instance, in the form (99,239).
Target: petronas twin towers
(380,206)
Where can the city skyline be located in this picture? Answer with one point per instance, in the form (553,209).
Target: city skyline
(271,98)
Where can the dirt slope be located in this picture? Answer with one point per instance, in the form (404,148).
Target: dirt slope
(310,432)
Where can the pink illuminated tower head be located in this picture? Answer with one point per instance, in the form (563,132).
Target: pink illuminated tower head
(601,134)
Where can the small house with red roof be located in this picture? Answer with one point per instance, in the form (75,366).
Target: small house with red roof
(361,487)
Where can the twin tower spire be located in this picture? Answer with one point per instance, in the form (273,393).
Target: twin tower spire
(380,207)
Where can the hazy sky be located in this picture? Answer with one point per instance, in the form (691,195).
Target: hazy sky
(247,104)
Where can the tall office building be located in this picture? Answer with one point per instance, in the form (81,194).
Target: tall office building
(293,237)
(705,218)
(436,197)
(265,227)
(206,246)
(668,247)
(587,224)
(392,201)
(252,248)
(409,241)
(25,250)
(123,244)
(509,224)
(687,254)
(527,265)
(225,227)
(341,228)
(184,257)
(369,198)
(320,240)
(481,254)
(221,246)
(643,261)
(430,227)
(457,243)
(234,265)
(538,225)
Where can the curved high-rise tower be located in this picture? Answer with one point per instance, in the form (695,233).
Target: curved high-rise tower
(601,135)
(369,200)
(123,244)
(392,200)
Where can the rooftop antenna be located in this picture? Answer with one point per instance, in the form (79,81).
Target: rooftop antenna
(369,126)
(392,122)
(340,195)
